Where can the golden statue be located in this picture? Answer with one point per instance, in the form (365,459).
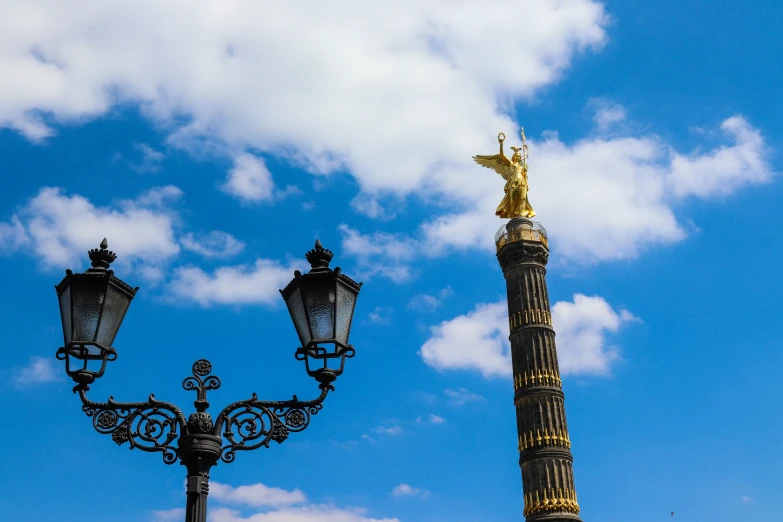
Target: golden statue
(514,171)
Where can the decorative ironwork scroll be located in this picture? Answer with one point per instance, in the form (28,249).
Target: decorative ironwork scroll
(149,426)
(201,382)
(250,424)
(154,425)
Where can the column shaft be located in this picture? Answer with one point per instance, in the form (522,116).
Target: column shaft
(544,443)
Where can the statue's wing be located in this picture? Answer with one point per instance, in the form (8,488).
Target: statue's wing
(499,163)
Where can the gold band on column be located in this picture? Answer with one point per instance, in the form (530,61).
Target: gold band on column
(551,500)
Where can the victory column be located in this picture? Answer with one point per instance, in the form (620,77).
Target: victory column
(544,444)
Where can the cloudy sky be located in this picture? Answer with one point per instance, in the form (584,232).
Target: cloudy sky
(213,142)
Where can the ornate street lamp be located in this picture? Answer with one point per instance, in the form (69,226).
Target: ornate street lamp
(321,304)
(92,307)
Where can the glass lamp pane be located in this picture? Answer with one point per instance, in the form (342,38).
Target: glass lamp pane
(117,303)
(346,300)
(297,311)
(65,313)
(93,351)
(320,300)
(87,295)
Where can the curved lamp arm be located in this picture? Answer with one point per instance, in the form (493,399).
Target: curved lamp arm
(250,424)
(149,426)
(154,425)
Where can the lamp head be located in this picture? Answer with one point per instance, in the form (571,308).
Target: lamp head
(321,303)
(92,307)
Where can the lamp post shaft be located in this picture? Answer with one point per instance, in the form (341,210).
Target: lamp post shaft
(198,453)
(196,506)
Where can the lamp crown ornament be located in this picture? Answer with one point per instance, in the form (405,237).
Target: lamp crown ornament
(319,257)
(102,257)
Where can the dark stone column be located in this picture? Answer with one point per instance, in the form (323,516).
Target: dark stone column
(544,443)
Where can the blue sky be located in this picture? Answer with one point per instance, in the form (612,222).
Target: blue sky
(213,143)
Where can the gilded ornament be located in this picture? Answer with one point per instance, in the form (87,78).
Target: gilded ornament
(514,171)
(524,379)
(550,500)
(549,438)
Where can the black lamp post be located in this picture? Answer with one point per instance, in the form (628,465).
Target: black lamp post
(93,305)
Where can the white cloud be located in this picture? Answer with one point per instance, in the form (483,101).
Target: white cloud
(39,370)
(607,114)
(582,326)
(255,495)
(249,179)
(168,515)
(156,197)
(389,430)
(431,419)
(13,236)
(150,159)
(428,303)
(746,499)
(605,198)
(460,396)
(233,73)
(599,199)
(380,315)
(152,274)
(239,285)
(59,229)
(424,303)
(723,170)
(478,340)
(405,490)
(381,253)
(602,199)
(229,76)
(282,503)
(214,244)
(370,206)
(310,513)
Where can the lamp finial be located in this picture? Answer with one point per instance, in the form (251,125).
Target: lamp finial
(319,257)
(102,257)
